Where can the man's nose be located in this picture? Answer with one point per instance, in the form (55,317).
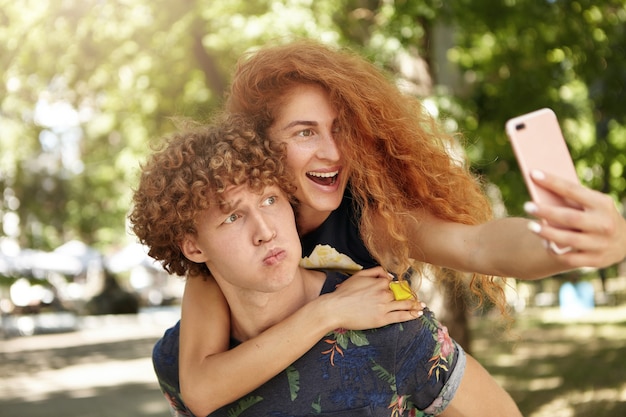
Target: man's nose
(264,230)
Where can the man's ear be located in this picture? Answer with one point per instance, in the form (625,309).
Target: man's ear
(192,251)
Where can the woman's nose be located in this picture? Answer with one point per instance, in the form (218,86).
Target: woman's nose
(328,147)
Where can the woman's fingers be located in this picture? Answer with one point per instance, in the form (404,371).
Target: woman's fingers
(570,191)
(594,235)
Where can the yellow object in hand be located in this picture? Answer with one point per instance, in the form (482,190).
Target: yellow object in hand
(401,290)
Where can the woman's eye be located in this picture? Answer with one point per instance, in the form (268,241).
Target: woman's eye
(231,219)
(305,133)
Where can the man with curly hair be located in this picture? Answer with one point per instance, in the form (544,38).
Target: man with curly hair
(216,201)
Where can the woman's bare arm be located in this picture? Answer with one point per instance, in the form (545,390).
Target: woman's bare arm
(503,247)
(509,247)
(212,376)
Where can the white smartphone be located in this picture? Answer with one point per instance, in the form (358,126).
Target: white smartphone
(538,143)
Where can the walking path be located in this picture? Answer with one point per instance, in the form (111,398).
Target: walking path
(102,369)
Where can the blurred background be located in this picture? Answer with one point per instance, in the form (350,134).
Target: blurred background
(89,85)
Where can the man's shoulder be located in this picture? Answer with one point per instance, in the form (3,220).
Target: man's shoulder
(165,356)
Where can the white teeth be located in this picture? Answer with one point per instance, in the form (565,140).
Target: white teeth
(323,174)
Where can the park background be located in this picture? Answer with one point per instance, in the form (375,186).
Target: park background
(88,86)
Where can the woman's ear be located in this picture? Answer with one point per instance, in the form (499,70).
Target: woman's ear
(192,251)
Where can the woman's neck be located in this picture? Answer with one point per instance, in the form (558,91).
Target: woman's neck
(308,219)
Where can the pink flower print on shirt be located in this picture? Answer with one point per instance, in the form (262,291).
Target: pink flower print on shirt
(443,338)
(444,351)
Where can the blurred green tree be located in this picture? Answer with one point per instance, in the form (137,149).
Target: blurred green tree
(522,55)
(87,85)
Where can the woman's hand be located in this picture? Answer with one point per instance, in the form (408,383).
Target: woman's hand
(594,236)
(364,301)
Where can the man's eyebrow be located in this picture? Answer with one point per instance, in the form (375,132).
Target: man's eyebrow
(226,206)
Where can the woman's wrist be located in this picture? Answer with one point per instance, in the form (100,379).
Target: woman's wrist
(322,312)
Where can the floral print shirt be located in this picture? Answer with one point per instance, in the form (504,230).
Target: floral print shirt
(407,369)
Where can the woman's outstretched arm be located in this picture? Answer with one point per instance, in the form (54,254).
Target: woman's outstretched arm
(517,247)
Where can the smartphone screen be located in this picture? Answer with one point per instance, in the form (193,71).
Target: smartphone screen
(538,143)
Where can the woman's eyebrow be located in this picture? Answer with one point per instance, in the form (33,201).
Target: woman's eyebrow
(299,123)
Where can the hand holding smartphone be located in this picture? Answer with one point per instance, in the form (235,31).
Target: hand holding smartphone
(538,144)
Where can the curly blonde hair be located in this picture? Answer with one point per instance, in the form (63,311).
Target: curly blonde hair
(187,176)
(399,156)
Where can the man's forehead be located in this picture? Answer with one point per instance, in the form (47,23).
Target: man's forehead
(233,195)
(228,198)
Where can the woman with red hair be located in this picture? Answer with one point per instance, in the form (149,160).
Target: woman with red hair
(376,184)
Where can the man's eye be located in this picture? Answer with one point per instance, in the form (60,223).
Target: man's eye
(270,200)
(231,219)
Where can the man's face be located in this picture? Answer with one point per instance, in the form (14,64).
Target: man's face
(253,245)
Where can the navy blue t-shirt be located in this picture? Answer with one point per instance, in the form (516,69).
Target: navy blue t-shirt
(337,243)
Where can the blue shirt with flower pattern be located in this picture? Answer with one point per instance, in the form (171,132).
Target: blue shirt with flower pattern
(407,369)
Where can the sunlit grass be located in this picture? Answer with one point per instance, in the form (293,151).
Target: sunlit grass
(557,366)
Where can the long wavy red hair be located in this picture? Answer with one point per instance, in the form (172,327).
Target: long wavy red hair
(399,156)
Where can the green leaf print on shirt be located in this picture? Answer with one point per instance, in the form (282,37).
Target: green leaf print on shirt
(399,403)
(293,376)
(243,404)
(339,339)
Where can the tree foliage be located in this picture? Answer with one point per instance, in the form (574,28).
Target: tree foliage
(89,85)
(521,55)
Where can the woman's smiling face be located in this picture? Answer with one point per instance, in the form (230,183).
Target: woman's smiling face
(307,123)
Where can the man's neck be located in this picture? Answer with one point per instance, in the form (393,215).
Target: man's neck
(254,312)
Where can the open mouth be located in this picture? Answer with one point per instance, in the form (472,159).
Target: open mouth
(323,178)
